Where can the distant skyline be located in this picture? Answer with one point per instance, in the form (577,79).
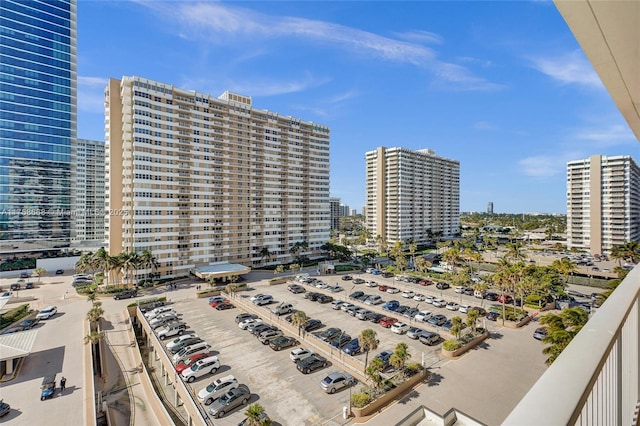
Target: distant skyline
(502,87)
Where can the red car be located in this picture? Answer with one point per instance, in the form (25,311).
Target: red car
(383,288)
(217,302)
(387,322)
(425,282)
(505,298)
(183,365)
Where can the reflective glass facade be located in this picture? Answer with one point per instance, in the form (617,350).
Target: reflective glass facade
(37,122)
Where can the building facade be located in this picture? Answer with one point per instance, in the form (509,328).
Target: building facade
(490,207)
(412,195)
(198,179)
(603,203)
(334,203)
(37,123)
(87,195)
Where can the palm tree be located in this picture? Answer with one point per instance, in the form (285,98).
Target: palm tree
(565,267)
(561,329)
(400,356)
(265,254)
(373,372)
(85,263)
(95,314)
(39,272)
(456,326)
(299,319)
(256,416)
(413,247)
(101,260)
(472,318)
(92,296)
(514,251)
(422,264)
(368,340)
(149,262)
(129,261)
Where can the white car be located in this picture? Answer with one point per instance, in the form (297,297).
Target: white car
(458,289)
(428,299)
(322,285)
(216,389)
(246,323)
(393,290)
(300,354)
(196,348)
(159,311)
(439,303)
(202,366)
(256,297)
(453,306)
(371,284)
(336,304)
(178,340)
(408,294)
(400,327)
(345,306)
(5,295)
(162,319)
(422,316)
(418,297)
(464,309)
(47,312)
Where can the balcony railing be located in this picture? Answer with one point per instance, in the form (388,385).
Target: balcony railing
(596,379)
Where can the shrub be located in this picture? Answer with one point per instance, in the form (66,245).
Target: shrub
(450,345)
(413,368)
(360,399)
(14,315)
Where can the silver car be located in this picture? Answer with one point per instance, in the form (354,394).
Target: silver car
(336,381)
(229,401)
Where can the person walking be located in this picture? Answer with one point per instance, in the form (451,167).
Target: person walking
(63,383)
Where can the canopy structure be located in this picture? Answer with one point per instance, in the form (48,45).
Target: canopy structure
(220,270)
(14,346)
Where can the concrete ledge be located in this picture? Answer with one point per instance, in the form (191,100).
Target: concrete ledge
(275,281)
(465,348)
(90,392)
(513,324)
(392,395)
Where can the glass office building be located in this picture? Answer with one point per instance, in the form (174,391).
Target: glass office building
(37,123)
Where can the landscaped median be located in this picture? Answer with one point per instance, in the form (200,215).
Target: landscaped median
(454,348)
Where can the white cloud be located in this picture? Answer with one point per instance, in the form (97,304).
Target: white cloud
(542,166)
(607,136)
(484,125)
(570,68)
(256,87)
(421,37)
(91,93)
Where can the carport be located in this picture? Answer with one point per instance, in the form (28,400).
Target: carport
(15,346)
(223,270)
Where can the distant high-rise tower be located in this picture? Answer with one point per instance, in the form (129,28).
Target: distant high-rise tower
(87,180)
(334,203)
(603,203)
(490,207)
(37,123)
(412,195)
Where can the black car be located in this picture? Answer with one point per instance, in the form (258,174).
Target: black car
(347,277)
(312,363)
(323,298)
(442,286)
(493,316)
(224,306)
(245,316)
(311,295)
(356,294)
(59,271)
(340,341)
(401,309)
(491,296)
(363,298)
(375,318)
(387,274)
(312,324)
(15,286)
(126,294)
(28,324)
(260,328)
(28,286)
(358,281)
(329,334)
(24,275)
(468,291)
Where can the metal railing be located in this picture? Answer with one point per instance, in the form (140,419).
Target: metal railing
(596,379)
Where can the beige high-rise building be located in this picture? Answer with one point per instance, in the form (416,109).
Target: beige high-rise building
(412,195)
(198,179)
(603,203)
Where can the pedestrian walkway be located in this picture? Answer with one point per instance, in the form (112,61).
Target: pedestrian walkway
(123,391)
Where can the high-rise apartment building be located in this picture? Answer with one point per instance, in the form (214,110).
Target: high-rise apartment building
(344,210)
(198,179)
(334,203)
(490,207)
(412,195)
(87,182)
(38,123)
(603,203)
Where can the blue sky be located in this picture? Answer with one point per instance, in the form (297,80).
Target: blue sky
(502,87)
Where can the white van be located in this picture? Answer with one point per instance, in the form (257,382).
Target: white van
(478,294)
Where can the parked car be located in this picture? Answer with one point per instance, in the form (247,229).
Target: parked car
(345,306)
(352,348)
(491,296)
(374,300)
(481,311)
(452,306)
(151,306)
(186,363)
(505,298)
(371,283)
(329,334)
(335,289)
(347,277)
(364,314)
(429,338)
(282,342)
(296,288)
(187,351)
(429,299)
(540,333)
(400,327)
(267,336)
(59,271)
(458,289)
(411,312)
(299,354)
(392,290)
(24,275)
(245,316)
(391,305)
(493,316)
(201,367)
(28,286)
(336,304)
(178,340)
(442,286)
(439,303)
(385,357)
(230,401)
(415,333)
(247,322)
(265,299)
(47,313)
(169,330)
(224,306)
(387,322)
(336,381)
(4,408)
(375,318)
(464,309)
(14,287)
(418,297)
(162,320)
(383,288)
(255,330)
(437,320)
(311,363)
(5,295)
(313,324)
(216,299)
(323,298)
(401,309)
(358,281)
(177,347)
(28,323)
(126,294)
(356,294)
(157,311)
(340,340)
(216,389)
(282,309)
(408,294)
(448,325)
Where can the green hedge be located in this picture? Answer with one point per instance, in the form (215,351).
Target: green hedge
(360,399)
(14,315)
(450,345)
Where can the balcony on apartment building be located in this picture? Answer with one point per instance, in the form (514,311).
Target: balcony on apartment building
(596,379)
